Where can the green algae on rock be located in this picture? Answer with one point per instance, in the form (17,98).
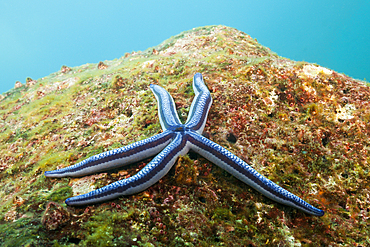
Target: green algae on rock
(301,125)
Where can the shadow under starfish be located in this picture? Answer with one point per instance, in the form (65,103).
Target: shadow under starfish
(175,140)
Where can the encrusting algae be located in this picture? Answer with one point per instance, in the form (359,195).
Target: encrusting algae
(303,126)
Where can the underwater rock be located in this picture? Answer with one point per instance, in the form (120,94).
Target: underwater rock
(55,216)
(30,82)
(102,65)
(18,84)
(303,126)
(65,69)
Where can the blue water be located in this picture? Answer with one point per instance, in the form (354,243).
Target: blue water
(38,37)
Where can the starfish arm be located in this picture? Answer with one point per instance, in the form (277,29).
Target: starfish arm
(148,176)
(118,157)
(237,167)
(166,108)
(200,106)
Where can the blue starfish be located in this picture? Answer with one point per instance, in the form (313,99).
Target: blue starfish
(175,140)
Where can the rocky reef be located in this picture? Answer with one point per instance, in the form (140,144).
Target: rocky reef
(303,126)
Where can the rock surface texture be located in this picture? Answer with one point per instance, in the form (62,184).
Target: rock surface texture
(303,126)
